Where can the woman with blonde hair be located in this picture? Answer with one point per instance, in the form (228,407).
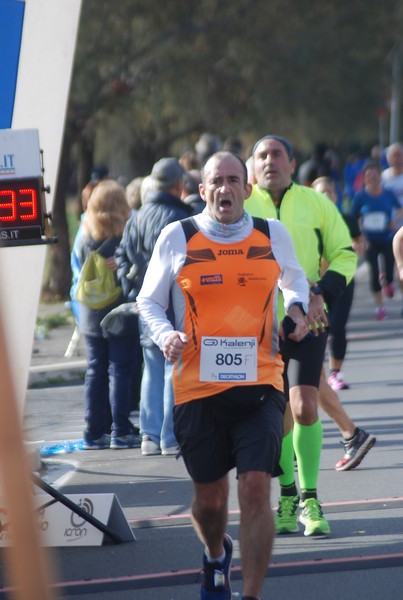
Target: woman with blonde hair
(108,379)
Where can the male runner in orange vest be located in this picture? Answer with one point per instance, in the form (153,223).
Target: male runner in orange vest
(222,269)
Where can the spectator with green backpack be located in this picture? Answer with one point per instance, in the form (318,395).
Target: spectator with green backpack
(111,360)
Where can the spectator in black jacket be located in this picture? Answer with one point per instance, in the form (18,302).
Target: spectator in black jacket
(161,206)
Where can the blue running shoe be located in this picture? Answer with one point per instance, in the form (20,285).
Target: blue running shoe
(131,440)
(100,444)
(216,576)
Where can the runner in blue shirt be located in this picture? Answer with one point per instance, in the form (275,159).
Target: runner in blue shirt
(376,209)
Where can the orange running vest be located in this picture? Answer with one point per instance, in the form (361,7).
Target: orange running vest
(230,290)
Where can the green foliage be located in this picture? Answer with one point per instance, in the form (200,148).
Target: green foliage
(58,381)
(149,78)
(47,322)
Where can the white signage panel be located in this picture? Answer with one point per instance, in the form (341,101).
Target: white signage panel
(61,526)
(19,153)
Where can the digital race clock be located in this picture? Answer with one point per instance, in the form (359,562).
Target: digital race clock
(21,210)
(22,192)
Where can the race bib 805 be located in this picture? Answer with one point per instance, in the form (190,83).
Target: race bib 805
(228,359)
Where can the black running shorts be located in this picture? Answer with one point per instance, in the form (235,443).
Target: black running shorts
(241,427)
(303,361)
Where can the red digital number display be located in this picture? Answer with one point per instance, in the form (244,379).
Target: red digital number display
(11,204)
(21,211)
(20,203)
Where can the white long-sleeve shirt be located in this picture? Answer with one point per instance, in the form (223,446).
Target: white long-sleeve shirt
(169,256)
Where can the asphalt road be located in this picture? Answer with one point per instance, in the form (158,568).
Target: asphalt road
(361,559)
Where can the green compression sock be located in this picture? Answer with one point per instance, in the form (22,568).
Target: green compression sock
(307,447)
(287,461)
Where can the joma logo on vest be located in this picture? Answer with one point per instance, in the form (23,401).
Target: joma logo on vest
(229,252)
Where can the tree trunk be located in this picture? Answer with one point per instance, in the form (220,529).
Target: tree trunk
(59,272)
(85,163)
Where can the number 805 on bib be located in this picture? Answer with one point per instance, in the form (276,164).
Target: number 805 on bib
(228,359)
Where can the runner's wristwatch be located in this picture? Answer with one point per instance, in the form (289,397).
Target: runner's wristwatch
(316,290)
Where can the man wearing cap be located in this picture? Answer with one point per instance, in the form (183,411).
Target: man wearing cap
(162,205)
(317,230)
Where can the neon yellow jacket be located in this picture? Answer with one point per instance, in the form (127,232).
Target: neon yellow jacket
(317,230)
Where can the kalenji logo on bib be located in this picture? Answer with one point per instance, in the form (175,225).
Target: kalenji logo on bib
(210,279)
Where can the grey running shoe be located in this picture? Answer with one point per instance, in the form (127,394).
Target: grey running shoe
(355,450)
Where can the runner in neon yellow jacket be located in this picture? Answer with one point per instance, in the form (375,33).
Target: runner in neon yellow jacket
(317,230)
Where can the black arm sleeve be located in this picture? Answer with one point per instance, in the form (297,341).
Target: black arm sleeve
(332,284)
